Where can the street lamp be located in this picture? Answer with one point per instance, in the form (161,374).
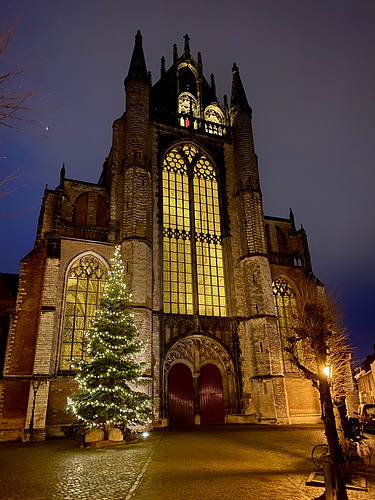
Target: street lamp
(36,380)
(328,372)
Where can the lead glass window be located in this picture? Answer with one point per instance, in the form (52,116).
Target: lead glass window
(286,311)
(193,258)
(84,289)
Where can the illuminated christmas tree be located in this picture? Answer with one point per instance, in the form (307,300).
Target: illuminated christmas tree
(109,378)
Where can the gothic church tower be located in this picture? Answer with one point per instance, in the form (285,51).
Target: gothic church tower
(213,281)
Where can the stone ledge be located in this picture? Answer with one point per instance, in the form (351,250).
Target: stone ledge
(107,443)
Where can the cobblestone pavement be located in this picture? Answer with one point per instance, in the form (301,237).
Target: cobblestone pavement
(217,462)
(237,462)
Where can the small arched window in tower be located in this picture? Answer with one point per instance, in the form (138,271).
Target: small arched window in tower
(80,212)
(215,119)
(286,311)
(187,109)
(85,281)
(101,213)
(281,240)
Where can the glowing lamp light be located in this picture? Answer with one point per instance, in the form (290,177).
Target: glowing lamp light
(328,371)
(145,434)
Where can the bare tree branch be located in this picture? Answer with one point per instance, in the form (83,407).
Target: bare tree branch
(13,102)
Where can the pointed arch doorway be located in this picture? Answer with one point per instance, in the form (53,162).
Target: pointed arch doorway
(211,395)
(180,395)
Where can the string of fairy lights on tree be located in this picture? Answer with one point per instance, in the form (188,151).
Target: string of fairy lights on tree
(107,379)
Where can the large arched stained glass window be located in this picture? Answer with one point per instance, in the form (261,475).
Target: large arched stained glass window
(193,257)
(286,311)
(84,288)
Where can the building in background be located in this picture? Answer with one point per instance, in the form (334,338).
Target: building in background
(8,295)
(214,282)
(365,376)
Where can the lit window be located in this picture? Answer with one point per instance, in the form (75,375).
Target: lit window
(84,289)
(214,118)
(187,107)
(286,311)
(193,257)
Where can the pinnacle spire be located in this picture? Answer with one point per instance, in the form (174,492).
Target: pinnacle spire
(175,53)
(162,66)
(292,220)
(62,173)
(200,64)
(187,44)
(137,68)
(238,96)
(213,85)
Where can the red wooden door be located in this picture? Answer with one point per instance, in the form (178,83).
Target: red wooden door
(211,395)
(180,395)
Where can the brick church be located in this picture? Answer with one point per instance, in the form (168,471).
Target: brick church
(214,282)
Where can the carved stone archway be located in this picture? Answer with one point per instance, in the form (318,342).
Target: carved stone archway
(197,351)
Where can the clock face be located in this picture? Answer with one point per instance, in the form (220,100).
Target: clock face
(187,103)
(212,114)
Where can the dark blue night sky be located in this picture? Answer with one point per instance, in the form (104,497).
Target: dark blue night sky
(308,68)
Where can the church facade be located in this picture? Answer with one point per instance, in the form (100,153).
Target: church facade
(214,282)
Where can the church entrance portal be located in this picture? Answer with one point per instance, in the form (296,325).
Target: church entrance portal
(181,395)
(211,395)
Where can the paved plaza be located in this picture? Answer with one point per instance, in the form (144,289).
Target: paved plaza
(216,462)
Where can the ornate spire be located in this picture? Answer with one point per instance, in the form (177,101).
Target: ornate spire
(187,44)
(162,66)
(175,53)
(137,68)
(238,96)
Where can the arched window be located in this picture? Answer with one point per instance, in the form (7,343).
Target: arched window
(101,213)
(193,257)
(187,108)
(214,118)
(85,282)
(281,240)
(286,311)
(80,213)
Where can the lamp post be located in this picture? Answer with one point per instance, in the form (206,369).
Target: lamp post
(36,380)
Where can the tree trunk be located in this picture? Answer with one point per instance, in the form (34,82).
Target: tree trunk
(332,437)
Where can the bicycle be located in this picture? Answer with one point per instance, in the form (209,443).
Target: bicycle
(353,459)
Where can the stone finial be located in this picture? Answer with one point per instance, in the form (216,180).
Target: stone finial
(175,53)
(162,66)
(225,99)
(187,44)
